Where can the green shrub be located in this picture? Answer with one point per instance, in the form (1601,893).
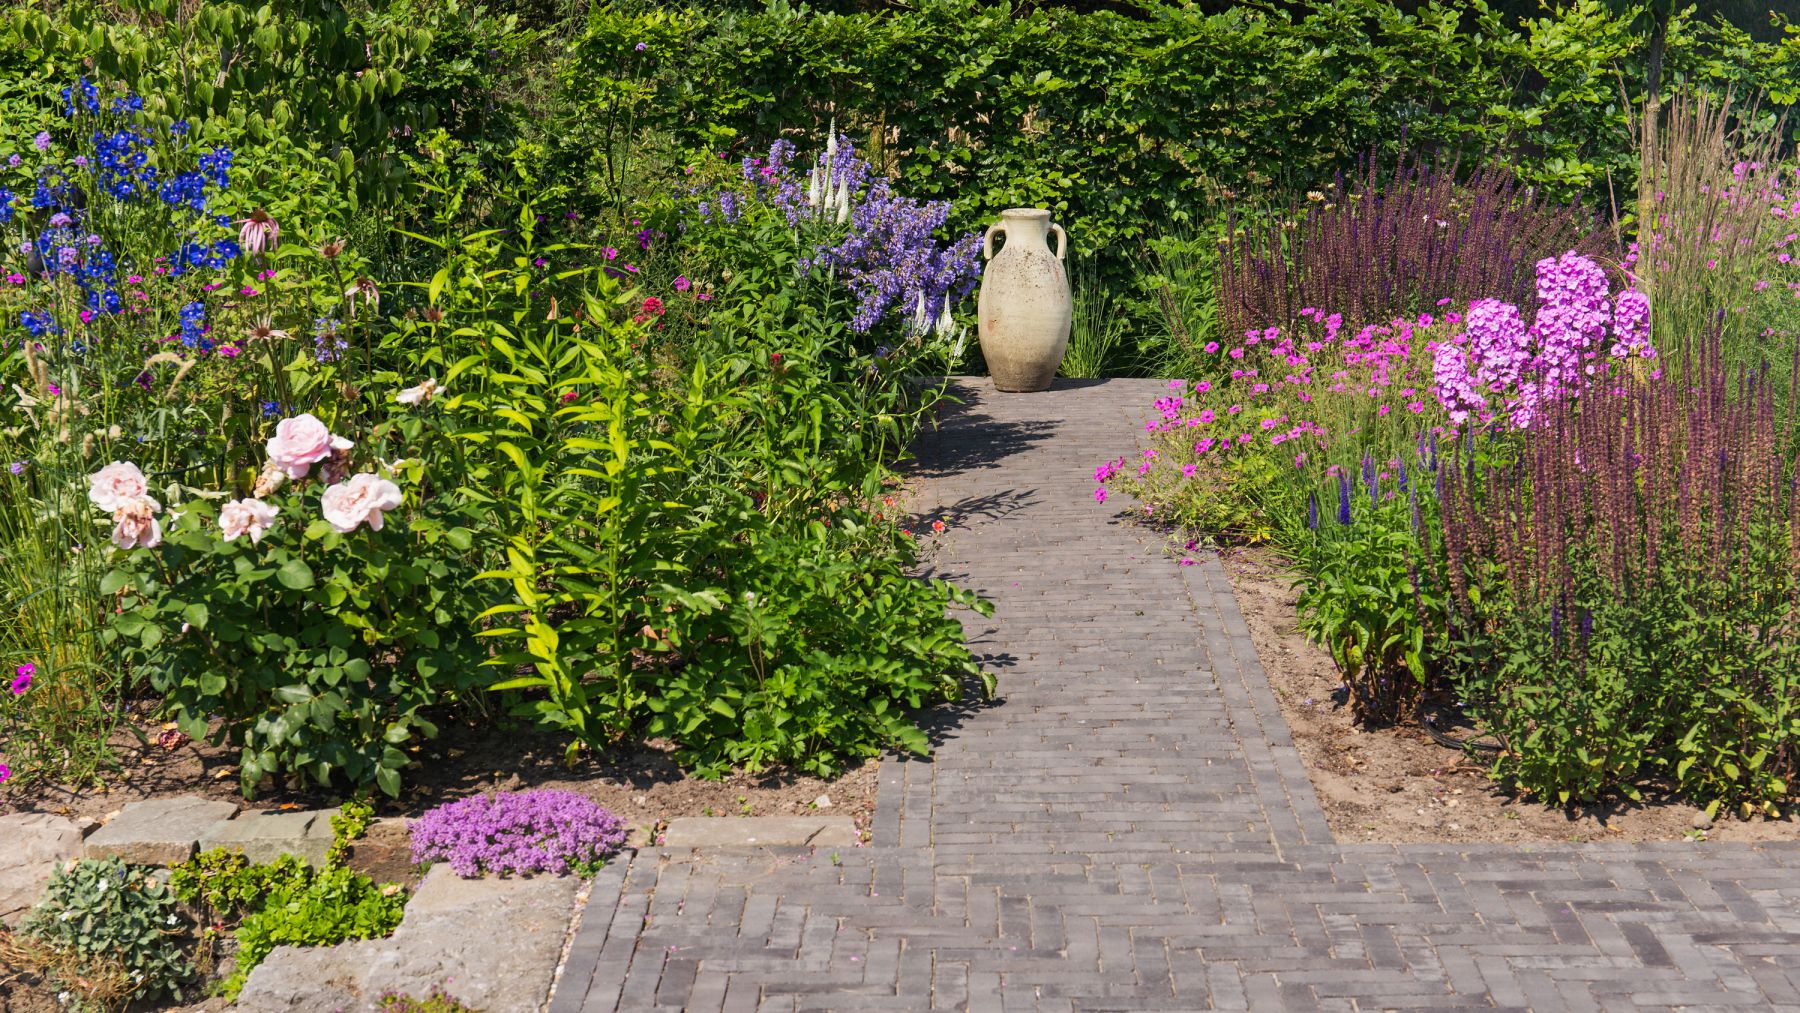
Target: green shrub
(1001,107)
(317,651)
(105,910)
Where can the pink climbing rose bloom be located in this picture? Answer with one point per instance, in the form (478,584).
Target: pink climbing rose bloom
(301,442)
(115,485)
(135,525)
(363,499)
(242,517)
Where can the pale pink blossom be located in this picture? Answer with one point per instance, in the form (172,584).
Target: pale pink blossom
(422,392)
(301,442)
(246,517)
(365,289)
(135,526)
(363,499)
(259,233)
(115,485)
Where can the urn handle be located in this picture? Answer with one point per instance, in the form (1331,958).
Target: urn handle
(987,240)
(1062,241)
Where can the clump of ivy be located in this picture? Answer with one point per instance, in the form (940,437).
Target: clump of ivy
(288,903)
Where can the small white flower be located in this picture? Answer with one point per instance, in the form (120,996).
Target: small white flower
(419,393)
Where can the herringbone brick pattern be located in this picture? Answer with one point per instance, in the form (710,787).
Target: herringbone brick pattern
(1129,827)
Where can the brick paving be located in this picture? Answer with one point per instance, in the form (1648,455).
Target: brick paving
(1130,828)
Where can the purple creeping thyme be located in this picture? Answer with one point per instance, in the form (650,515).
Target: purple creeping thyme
(518,833)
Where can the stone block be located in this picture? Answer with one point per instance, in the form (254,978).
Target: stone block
(32,845)
(447,940)
(760,832)
(161,831)
(265,836)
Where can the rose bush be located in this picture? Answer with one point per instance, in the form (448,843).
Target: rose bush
(301,625)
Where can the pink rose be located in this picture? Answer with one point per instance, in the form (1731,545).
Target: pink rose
(360,500)
(115,485)
(135,526)
(246,517)
(301,442)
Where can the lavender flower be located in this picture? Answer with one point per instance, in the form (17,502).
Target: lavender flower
(518,833)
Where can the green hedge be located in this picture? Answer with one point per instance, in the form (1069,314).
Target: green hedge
(1125,124)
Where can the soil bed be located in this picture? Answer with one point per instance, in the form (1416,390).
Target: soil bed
(1398,785)
(641,783)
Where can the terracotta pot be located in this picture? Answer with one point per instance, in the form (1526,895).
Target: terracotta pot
(1025,307)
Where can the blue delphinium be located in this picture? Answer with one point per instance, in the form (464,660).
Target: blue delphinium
(193,326)
(38,323)
(120,169)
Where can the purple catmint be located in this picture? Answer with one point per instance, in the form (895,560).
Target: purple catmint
(518,833)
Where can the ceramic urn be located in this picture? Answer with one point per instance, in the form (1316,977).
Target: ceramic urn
(1024,302)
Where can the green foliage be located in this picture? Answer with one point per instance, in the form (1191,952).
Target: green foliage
(348,825)
(334,92)
(1360,600)
(1097,329)
(682,549)
(313,908)
(286,902)
(1690,680)
(1123,124)
(105,910)
(316,652)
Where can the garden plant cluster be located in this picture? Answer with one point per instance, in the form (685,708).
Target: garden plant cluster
(1569,518)
(381,371)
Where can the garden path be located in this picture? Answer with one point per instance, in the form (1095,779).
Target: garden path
(1130,828)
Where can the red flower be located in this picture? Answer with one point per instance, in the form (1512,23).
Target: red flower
(567,396)
(653,306)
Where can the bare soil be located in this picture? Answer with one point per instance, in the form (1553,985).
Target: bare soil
(1399,785)
(640,782)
